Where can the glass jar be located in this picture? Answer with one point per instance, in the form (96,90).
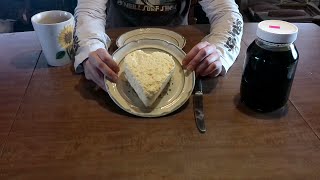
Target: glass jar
(270,66)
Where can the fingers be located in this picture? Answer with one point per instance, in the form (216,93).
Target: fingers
(106,57)
(98,63)
(214,73)
(93,74)
(204,59)
(193,52)
(213,69)
(203,67)
(202,54)
(86,71)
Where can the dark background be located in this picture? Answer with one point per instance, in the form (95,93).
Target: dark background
(22,10)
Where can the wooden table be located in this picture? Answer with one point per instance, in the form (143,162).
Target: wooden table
(54,125)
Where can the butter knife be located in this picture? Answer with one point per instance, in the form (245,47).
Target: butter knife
(198,106)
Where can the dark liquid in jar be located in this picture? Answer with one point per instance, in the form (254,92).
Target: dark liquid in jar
(268,76)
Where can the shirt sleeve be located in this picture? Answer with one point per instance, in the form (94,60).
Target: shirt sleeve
(90,30)
(226,29)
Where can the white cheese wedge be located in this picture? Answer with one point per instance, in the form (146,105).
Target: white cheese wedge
(148,74)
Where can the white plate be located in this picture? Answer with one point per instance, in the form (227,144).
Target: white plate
(151,33)
(173,96)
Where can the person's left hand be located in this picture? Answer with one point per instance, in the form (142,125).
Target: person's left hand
(204,60)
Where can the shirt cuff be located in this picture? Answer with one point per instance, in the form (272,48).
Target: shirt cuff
(225,66)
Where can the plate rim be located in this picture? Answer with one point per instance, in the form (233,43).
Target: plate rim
(150,114)
(144,29)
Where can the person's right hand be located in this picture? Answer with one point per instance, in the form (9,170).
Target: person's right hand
(100,64)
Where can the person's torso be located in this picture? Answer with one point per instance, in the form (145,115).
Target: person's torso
(127,13)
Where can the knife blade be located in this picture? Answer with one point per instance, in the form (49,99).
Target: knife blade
(198,106)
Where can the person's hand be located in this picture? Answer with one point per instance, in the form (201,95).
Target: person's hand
(100,64)
(204,60)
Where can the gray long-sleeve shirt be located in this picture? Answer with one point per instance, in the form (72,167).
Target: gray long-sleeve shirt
(94,16)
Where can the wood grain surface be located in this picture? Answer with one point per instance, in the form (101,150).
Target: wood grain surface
(19,53)
(65,129)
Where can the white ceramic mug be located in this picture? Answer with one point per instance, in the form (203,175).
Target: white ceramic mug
(54,30)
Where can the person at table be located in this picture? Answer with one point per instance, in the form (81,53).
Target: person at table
(213,56)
